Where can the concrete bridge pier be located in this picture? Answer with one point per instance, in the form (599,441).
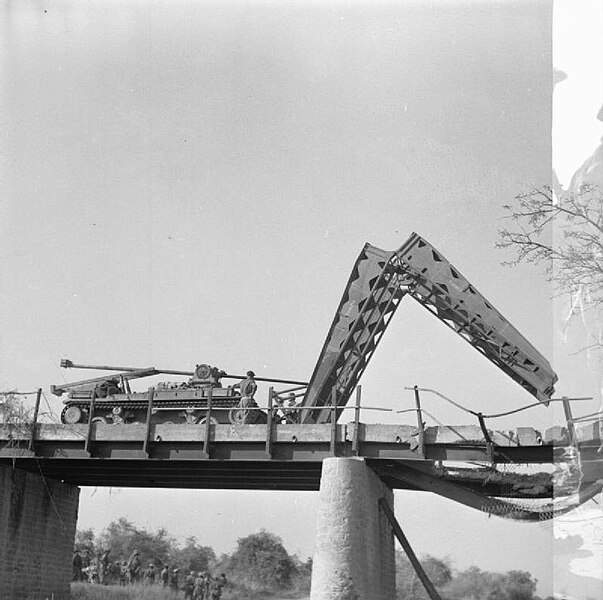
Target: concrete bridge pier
(38,518)
(354,550)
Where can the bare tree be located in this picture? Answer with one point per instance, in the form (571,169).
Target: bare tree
(13,412)
(565,235)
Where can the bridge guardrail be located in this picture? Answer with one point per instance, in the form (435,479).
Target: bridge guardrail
(277,412)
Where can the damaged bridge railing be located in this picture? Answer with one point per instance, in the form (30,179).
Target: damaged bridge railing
(356,438)
(569,435)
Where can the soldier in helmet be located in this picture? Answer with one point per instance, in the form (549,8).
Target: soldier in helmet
(291,415)
(175,579)
(77,566)
(189,585)
(222,580)
(123,573)
(215,588)
(86,559)
(103,566)
(248,388)
(199,586)
(134,567)
(165,576)
(149,574)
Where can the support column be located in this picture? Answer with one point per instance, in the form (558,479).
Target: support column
(38,518)
(354,548)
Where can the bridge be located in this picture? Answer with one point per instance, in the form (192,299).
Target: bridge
(201,434)
(355,466)
(289,457)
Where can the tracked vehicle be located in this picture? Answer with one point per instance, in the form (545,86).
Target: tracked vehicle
(111,399)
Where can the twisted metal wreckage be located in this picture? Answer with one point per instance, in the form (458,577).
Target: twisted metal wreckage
(379,280)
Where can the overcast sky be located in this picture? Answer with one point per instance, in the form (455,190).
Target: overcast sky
(187,182)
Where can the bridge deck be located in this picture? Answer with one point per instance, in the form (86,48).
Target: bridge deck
(247,457)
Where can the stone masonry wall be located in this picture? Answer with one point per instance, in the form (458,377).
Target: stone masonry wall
(354,548)
(37,528)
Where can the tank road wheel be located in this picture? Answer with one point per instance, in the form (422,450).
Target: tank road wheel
(71,415)
(167,423)
(213,421)
(117,415)
(242,416)
(237,416)
(99,420)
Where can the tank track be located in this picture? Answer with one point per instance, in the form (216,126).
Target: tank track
(102,407)
(142,405)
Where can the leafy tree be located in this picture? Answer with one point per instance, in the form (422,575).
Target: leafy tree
(193,557)
(437,570)
(475,584)
(122,537)
(519,585)
(304,568)
(408,584)
(303,573)
(85,542)
(261,562)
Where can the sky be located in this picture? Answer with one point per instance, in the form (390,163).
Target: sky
(187,182)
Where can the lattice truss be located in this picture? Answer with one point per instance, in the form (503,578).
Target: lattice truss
(379,281)
(370,300)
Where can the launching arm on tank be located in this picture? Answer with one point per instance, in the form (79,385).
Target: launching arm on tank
(119,380)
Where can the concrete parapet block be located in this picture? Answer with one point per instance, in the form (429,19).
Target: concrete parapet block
(38,518)
(354,548)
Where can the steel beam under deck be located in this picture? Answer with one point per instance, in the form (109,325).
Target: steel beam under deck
(241,457)
(239,475)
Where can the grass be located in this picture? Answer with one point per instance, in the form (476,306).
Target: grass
(88,591)
(244,594)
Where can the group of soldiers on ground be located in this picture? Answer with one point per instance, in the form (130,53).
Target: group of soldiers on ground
(100,569)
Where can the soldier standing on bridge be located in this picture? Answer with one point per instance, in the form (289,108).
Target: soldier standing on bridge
(291,415)
(248,389)
(245,412)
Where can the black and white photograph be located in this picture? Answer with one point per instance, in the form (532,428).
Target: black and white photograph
(301,300)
